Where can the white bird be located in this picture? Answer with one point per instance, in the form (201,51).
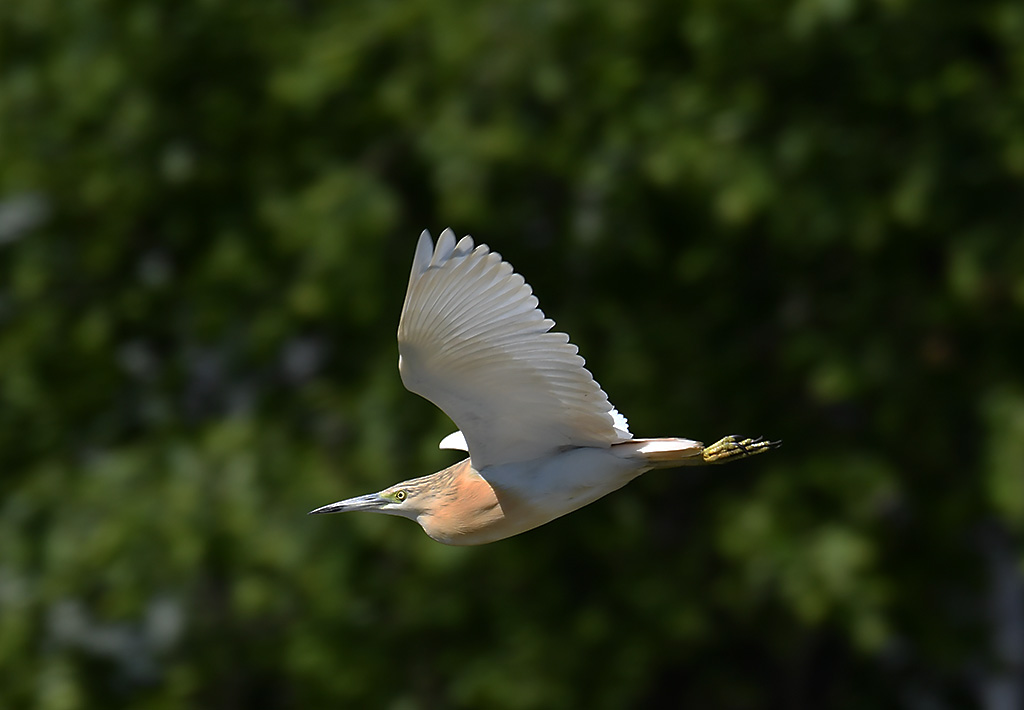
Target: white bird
(542,437)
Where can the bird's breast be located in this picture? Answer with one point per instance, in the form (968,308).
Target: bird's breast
(501,501)
(464,510)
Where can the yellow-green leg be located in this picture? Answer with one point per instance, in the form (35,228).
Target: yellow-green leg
(733,448)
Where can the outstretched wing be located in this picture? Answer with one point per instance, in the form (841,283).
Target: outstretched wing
(473,342)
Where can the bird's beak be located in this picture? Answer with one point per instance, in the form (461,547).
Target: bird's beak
(370,502)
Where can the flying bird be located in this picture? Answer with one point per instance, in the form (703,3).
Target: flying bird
(543,439)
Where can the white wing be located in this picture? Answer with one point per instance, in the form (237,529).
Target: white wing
(473,342)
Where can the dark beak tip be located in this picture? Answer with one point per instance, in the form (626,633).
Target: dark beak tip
(368,502)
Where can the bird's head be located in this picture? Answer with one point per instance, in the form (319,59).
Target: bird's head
(404,499)
(452,506)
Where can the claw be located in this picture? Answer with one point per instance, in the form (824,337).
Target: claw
(733,448)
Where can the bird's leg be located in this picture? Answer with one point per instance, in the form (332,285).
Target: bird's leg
(733,448)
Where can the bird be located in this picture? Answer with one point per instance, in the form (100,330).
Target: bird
(541,436)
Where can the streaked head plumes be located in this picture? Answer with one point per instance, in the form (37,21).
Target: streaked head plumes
(542,437)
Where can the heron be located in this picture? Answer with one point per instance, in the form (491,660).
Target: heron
(541,436)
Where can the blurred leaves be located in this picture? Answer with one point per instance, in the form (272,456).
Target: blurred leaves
(1004,412)
(822,561)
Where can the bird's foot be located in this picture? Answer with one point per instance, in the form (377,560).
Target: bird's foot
(733,448)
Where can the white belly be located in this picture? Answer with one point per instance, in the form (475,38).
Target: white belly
(532,493)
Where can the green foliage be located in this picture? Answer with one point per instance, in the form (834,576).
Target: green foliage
(801,219)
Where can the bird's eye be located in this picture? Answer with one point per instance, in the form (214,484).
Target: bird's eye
(400,496)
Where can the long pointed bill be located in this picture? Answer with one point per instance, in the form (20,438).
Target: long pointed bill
(370,502)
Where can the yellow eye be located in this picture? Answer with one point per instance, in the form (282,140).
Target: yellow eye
(400,496)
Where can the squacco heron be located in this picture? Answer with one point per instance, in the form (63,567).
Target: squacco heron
(543,439)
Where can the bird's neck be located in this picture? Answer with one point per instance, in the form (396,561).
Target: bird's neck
(463,508)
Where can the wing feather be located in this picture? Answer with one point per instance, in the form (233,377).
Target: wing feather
(473,341)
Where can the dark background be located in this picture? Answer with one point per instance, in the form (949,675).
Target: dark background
(798,219)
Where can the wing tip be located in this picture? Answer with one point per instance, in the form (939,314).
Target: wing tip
(444,247)
(424,250)
(448,247)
